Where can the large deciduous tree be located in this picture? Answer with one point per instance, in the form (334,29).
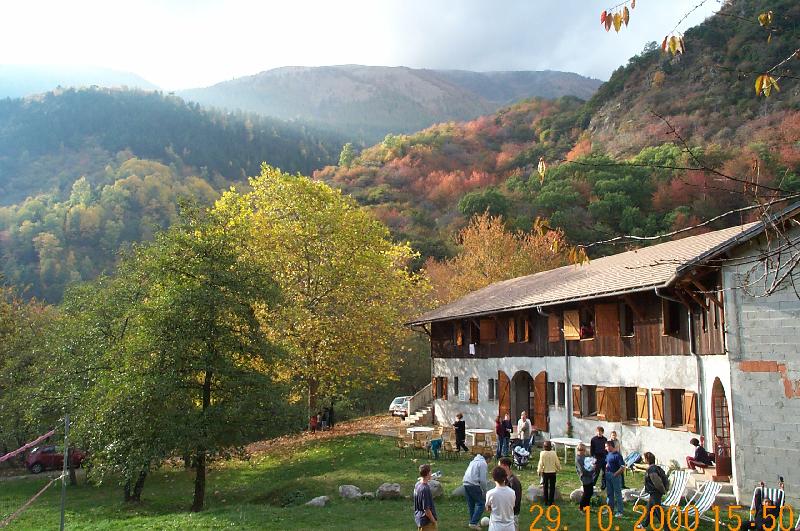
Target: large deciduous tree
(346,289)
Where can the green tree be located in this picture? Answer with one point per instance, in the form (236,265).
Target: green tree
(347,156)
(346,287)
(490,200)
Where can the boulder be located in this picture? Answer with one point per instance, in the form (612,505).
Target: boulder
(576,495)
(437,491)
(388,491)
(319,501)
(350,492)
(458,492)
(629,495)
(535,493)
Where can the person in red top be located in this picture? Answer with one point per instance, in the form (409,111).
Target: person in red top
(312,423)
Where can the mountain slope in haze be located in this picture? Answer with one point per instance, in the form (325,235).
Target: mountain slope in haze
(17,81)
(610,160)
(49,141)
(367,102)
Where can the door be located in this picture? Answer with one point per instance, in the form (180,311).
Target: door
(721,427)
(503,394)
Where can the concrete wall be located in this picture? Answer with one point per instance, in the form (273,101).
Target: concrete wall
(641,371)
(762,335)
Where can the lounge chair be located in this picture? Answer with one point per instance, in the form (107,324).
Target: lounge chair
(700,503)
(761,493)
(677,485)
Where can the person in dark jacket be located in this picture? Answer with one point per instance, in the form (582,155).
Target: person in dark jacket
(586,474)
(514,483)
(460,428)
(597,449)
(701,456)
(656,485)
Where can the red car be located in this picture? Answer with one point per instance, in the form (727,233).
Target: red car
(49,458)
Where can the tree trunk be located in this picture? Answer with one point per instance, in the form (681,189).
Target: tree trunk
(313,391)
(126,489)
(73,479)
(200,462)
(139,487)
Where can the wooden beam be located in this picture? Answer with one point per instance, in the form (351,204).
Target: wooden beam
(683,300)
(707,292)
(701,302)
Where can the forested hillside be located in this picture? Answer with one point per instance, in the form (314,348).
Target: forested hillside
(367,102)
(24,80)
(613,166)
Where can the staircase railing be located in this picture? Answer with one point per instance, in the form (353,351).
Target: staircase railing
(422,398)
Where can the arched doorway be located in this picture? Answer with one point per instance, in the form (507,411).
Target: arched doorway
(521,394)
(721,429)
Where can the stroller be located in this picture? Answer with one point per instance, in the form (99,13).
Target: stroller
(520,455)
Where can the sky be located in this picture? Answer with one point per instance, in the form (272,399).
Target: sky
(178,44)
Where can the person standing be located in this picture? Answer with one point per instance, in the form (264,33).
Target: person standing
(524,430)
(460,428)
(312,423)
(508,427)
(516,486)
(615,467)
(618,446)
(475,487)
(424,509)
(500,502)
(597,449)
(549,465)
(584,466)
(656,484)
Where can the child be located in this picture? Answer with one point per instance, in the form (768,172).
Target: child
(461,433)
(500,502)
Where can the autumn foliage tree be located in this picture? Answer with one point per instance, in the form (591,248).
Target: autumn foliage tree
(346,288)
(489,253)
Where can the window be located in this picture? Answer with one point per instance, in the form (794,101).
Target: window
(458,333)
(439,387)
(488,331)
(631,413)
(512,329)
(704,315)
(671,316)
(589,393)
(473,390)
(562,394)
(551,394)
(522,329)
(455,385)
(492,387)
(474,333)
(587,322)
(674,406)
(625,320)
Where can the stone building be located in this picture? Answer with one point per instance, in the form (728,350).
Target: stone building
(683,339)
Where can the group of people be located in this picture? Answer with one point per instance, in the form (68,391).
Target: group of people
(503,501)
(321,420)
(603,462)
(503,428)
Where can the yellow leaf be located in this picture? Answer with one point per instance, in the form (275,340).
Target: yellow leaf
(542,169)
(769,38)
(765,19)
(759,84)
(617,21)
(673,44)
(682,45)
(626,16)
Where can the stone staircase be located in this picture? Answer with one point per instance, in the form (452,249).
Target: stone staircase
(421,417)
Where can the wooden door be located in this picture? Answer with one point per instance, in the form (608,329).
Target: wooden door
(503,394)
(540,408)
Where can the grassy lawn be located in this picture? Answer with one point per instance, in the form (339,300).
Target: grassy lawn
(268,492)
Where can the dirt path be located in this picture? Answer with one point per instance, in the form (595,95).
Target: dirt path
(377,424)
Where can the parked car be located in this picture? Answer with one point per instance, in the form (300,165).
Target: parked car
(51,458)
(399,407)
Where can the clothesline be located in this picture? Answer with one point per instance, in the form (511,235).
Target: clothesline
(29,445)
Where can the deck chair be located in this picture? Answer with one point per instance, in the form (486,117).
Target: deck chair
(700,503)
(761,493)
(797,525)
(677,485)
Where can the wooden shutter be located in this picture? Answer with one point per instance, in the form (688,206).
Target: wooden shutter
(473,390)
(553,328)
(444,387)
(576,400)
(572,325)
(512,330)
(601,402)
(642,407)
(526,332)
(459,333)
(613,404)
(433,387)
(690,411)
(488,330)
(504,394)
(658,408)
(607,319)
(540,409)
